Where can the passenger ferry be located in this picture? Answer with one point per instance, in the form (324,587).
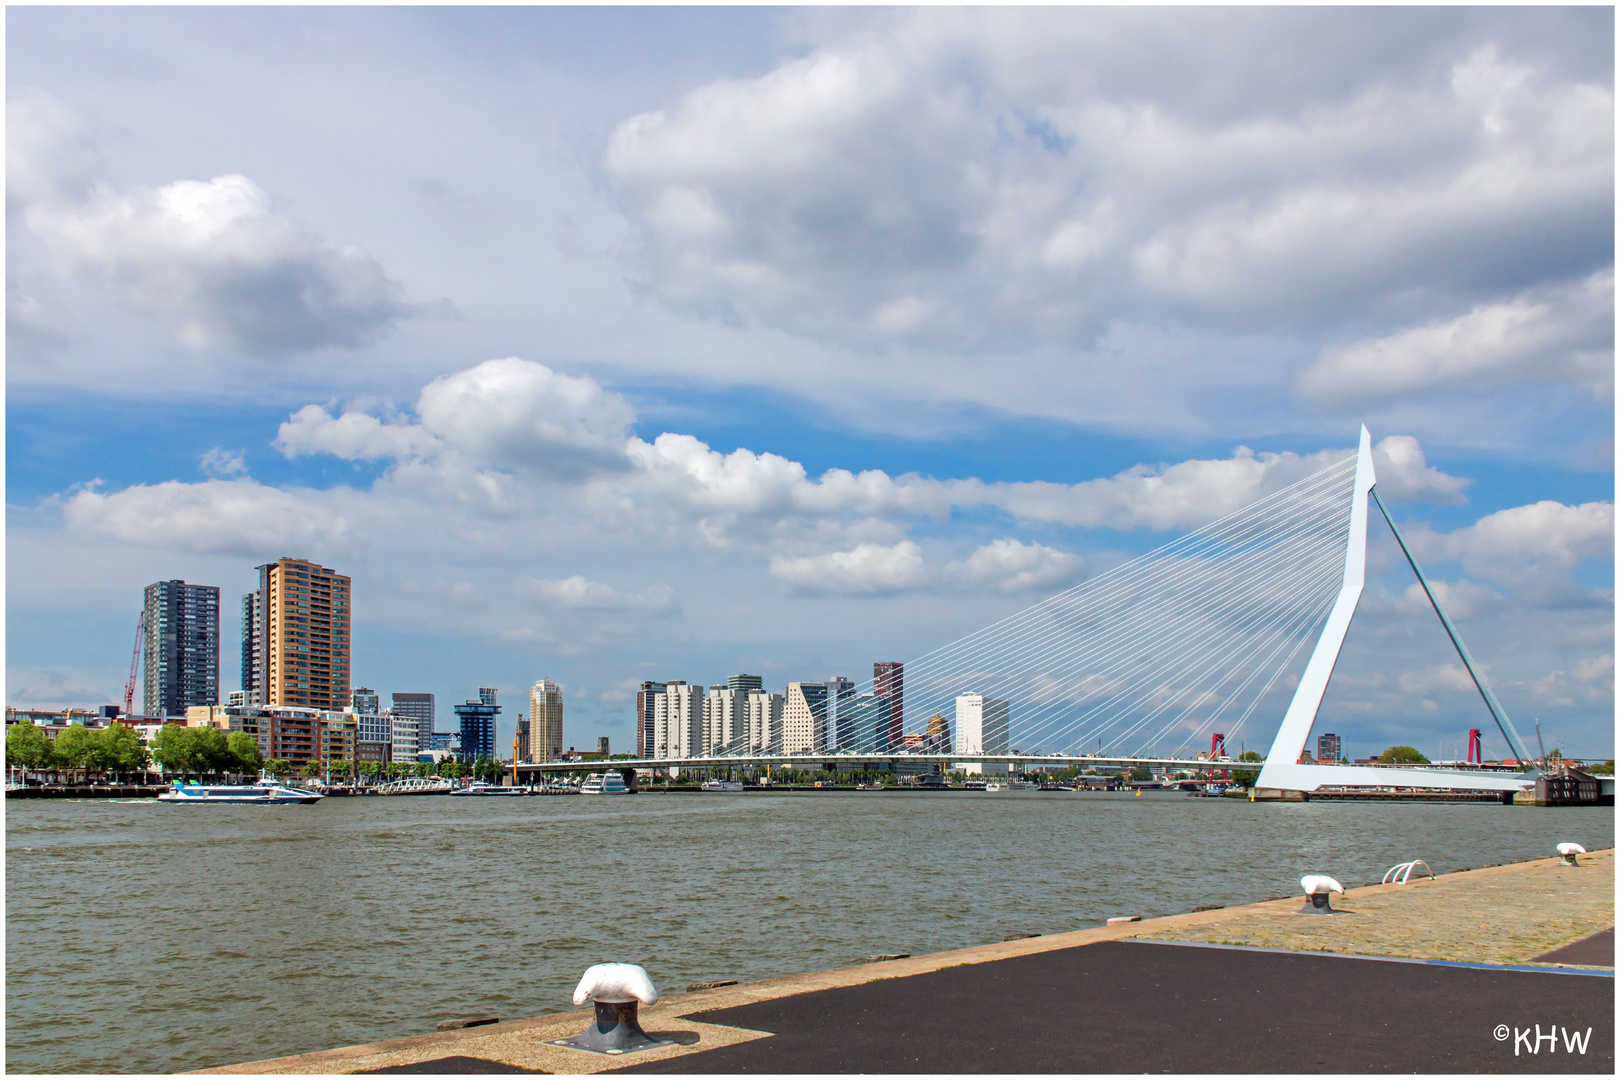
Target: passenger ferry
(267,790)
(604,784)
(481,788)
(722,785)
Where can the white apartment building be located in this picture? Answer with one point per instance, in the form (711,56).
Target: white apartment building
(982,727)
(678,720)
(763,721)
(804,718)
(724,719)
(405,734)
(545,722)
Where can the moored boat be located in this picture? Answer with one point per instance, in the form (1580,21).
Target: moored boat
(722,785)
(480,788)
(604,784)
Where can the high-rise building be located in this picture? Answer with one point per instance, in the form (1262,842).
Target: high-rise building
(746,683)
(406,738)
(937,739)
(375,734)
(545,721)
(644,717)
(889,683)
(1327,747)
(252,647)
(478,725)
(299,641)
(982,727)
(602,746)
(804,718)
(182,648)
(863,723)
(725,719)
(418,707)
(678,720)
(363,700)
(840,691)
(763,713)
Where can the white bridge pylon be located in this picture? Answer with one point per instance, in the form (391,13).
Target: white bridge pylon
(1282,770)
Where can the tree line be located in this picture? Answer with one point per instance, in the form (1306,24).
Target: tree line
(114,750)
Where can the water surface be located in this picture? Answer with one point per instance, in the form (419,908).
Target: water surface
(144,937)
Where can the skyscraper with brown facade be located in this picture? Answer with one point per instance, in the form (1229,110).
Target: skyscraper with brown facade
(889,683)
(299,620)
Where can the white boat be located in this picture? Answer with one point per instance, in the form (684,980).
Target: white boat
(722,785)
(480,788)
(992,786)
(267,790)
(604,784)
(416,785)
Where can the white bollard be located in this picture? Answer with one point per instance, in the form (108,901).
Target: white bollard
(1318,889)
(618,991)
(1567,853)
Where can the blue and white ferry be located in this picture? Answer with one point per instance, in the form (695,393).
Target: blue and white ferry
(266,790)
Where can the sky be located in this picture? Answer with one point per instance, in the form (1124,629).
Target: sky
(603,345)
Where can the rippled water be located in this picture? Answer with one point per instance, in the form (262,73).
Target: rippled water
(152,938)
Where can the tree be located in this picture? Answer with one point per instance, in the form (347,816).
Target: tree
(1246,777)
(121,750)
(1141,772)
(278,767)
(27,747)
(74,748)
(246,757)
(311,769)
(213,749)
(1402,755)
(176,751)
(1605,769)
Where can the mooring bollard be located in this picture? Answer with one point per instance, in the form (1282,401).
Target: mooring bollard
(1568,852)
(1318,890)
(619,991)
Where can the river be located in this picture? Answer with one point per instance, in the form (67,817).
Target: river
(144,937)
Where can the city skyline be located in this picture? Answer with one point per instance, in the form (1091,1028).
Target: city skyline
(695,341)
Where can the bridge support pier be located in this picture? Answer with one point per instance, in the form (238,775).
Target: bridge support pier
(629,779)
(1261,794)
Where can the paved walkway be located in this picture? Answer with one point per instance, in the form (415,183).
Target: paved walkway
(1502,915)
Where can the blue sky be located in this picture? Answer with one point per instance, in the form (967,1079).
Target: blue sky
(417,292)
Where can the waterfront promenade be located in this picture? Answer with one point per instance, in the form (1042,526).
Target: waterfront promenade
(1246,988)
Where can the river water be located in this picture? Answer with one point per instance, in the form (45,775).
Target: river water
(144,937)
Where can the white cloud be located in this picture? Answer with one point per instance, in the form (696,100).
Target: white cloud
(1546,534)
(353,436)
(1448,677)
(866,570)
(1565,333)
(236,517)
(1011,566)
(1405,475)
(959,176)
(49,154)
(1460,599)
(222,463)
(579,594)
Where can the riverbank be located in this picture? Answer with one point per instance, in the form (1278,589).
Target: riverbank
(1505,919)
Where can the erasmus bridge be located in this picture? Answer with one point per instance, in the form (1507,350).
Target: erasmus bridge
(1188,646)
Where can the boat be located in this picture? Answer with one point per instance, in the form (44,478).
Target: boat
(415,785)
(1023,785)
(266,791)
(604,784)
(975,785)
(480,788)
(721,785)
(875,785)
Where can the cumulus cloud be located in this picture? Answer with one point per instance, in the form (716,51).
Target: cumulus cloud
(214,260)
(1460,599)
(1011,566)
(865,570)
(1448,677)
(353,436)
(234,517)
(870,569)
(956,176)
(578,594)
(1564,333)
(1545,534)
(220,462)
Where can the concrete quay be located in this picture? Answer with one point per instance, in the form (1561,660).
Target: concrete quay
(1418,977)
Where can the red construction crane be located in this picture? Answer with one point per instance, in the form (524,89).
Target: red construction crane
(134,662)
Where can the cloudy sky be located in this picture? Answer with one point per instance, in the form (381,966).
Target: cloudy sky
(605,345)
